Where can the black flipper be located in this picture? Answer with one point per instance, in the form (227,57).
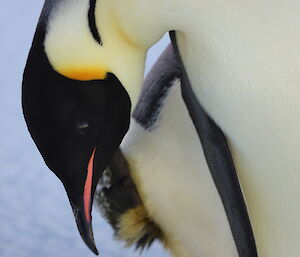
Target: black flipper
(221,166)
(156,88)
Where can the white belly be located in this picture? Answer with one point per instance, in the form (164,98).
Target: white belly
(176,186)
(245,70)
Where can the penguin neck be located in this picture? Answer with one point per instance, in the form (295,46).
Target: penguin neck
(138,25)
(144,22)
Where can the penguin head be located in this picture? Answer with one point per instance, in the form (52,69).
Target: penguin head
(77,126)
(74,99)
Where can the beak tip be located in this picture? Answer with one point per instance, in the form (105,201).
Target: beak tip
(85,229)
(91,245)
(88,238)
(96,251)
(90,242)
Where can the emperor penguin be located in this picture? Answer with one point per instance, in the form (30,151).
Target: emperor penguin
(158,185)
(241,64)
(78,123)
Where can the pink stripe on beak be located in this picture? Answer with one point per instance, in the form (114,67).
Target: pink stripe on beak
(88,189)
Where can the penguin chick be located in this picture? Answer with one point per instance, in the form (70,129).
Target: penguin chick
(119,202)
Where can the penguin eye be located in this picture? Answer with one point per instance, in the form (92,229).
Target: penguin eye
(82,125)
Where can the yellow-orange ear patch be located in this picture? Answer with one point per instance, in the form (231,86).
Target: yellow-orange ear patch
(91,73)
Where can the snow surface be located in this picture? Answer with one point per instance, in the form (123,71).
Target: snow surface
(35,216)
